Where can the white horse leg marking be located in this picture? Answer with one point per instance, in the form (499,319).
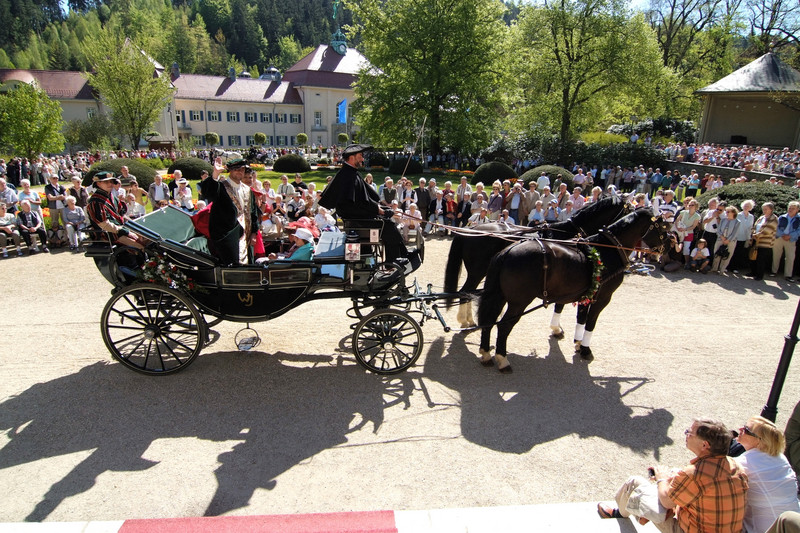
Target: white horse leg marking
(502,361)
(470,316)
(555,324)
(462,312)
(587,339)
(486,355)
(579,332)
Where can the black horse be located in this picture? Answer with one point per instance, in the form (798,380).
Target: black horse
(476,250)
(561,273)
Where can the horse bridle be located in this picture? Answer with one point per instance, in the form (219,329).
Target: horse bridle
(663,237)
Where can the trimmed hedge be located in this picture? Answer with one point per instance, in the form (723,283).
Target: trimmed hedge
(760,192)
(190,167)
(144,174)
(552,173)
(399,165)
(378,159)
(491,171)
(291,163)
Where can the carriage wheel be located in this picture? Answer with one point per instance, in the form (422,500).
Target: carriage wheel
(387,341)
(152,329)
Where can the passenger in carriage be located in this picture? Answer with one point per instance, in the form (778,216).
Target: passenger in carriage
(106,213)
(353,199)
(234,217)
(302,247)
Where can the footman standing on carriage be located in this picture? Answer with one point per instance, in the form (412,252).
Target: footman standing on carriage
(354,199)
(106,212)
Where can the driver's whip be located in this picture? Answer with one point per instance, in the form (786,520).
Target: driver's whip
(414,148)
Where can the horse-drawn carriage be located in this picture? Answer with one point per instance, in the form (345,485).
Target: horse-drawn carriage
(166,296)
(156,320)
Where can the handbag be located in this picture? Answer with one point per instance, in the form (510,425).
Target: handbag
(753,253)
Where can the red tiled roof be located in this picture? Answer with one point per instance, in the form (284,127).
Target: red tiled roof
(202,87)
(324,67)
(58,84)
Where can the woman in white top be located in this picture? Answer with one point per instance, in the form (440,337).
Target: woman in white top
(772,482)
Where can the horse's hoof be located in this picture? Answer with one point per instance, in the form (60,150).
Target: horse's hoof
(506,370)
(490,362)
(558,334)
(586,353)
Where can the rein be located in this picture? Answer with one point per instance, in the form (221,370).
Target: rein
(514,238)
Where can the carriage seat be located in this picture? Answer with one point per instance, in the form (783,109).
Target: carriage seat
(368,230)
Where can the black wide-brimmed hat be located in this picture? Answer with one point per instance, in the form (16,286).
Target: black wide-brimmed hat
(354,149)
(237,163)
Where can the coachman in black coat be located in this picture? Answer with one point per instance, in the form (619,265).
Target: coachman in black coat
(353,199)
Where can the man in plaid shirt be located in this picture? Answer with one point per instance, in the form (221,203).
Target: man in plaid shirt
(708,495)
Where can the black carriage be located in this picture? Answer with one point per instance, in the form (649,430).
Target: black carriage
(158,323)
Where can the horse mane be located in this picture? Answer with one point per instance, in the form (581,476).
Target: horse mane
(626,221)
(589,211)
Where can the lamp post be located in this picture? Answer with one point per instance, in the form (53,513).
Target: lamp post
(770,410)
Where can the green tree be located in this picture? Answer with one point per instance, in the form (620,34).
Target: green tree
(260,138)
(302,139)
(124,77)
(30,122)
(290,53)
(435,59)
(212,138)
(342,138)
(581,61)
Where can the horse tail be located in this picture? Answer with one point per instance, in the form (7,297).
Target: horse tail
(453,269)
(492,300)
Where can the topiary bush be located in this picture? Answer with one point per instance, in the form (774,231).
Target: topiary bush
(291,163)
(552,173)
(491,171)
(155,163)
(398,166)
(144,174)
(760,192)
(190,167)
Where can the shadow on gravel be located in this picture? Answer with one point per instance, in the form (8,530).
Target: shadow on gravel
(283,410)
(544,399)
(736,283)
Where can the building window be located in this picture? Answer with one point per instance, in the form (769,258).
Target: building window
(294,118)
(249,140)
(91,112)
(249,116)
(266,117)
(292,140)
(271,140)
(233,116)
(319,140)
(317,119)
(195,115)
(282,140)
(234,140)
(199,140)
(280,118)
(215,116)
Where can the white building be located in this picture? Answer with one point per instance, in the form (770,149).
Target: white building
(236,107)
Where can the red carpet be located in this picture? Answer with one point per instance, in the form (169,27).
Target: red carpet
(364,522)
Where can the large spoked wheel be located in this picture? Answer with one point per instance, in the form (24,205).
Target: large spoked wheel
(152,329)
(387,341)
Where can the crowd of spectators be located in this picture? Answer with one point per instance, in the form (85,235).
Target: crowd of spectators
(783,162)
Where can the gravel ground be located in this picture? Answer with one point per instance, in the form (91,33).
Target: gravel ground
(297,426)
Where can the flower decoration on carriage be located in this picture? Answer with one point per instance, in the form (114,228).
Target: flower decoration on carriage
(597,270)
(157,269)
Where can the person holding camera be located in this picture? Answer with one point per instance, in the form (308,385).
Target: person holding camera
(726,240)
(709,494)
